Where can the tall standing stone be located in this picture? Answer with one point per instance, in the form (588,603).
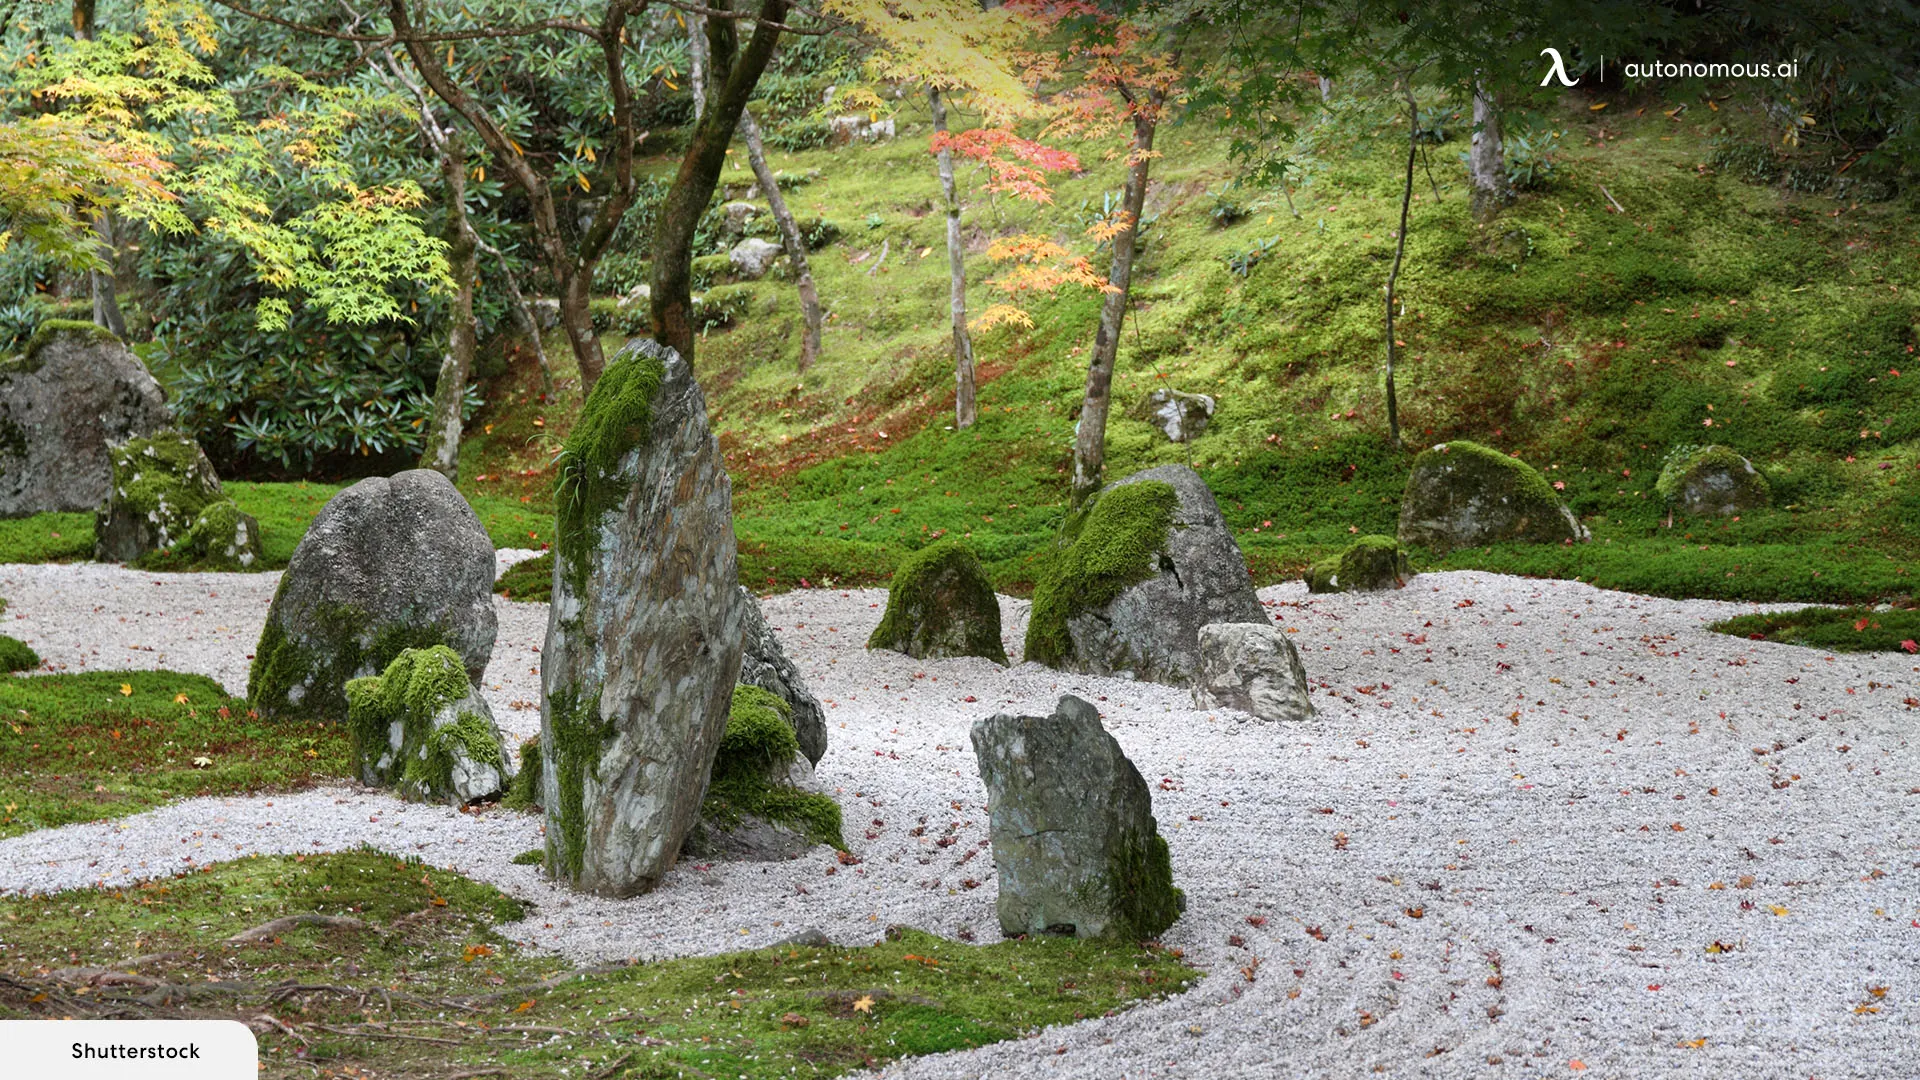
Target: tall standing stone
(1071,822)
(72,393)
(389,564)
(643,640)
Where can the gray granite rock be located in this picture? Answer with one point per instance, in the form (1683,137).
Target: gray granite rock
(1075,846)
(1251,667)
(753,257)
(71,394)
(763,663)
(644,637)
(1180,416)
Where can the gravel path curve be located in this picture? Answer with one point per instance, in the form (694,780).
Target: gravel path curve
(1525,814)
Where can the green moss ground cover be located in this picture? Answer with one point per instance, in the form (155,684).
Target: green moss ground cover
(530,581)
(426,960)
(1848,629)
(109,743)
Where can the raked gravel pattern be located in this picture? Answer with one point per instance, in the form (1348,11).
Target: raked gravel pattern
(1535,830)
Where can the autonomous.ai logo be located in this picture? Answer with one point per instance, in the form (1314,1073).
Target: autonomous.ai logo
(1557,70)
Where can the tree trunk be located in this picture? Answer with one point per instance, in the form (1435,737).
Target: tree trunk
(965,408)
(1399,253)
(790,239)
(442,452)
(106,303)
(1090,442)
(706,154)
(697,63)
(1326,89)
(1486,158)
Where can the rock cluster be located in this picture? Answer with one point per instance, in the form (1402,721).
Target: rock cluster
(1075,846)
(421,728)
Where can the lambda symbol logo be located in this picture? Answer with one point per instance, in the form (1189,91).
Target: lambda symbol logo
(1559,69)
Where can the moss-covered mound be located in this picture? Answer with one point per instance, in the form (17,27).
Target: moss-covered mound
(166,507)
(750,809)
(941,604)
(17,655)
(530,581)
(1370,563)
(420,727)
(1109,546)
(1463,494)
(27,360)
(524,792)
(1712,480)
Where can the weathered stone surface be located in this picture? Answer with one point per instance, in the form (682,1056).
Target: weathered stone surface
(165,497)
(763,663)
(643,643)
(1071,821)
(941,604)
(1712,481)
(1462,494)
(389,564)
(753,257)
(842,130)
(422,729)
(736,216)
(1180,416)
(760,804)
(1251,667)
(74,391)
(1145,567)
(1369,564)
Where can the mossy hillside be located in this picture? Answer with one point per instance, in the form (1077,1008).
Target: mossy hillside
(755,750)
(1109,546)
(17,655)
(432,938)
(331,653)
(530,581)
(1370,562)
(940,603)
(614,420)
(1852,629)
(110,743)
(413,691)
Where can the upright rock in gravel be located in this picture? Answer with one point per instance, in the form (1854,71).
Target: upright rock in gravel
(763,663)
(389,564)
(1071,821)
(74,391)
(1180,416)
(941,604)
(166,498)
(1462,494)
(1713,481)
(1146,565)
(420,727)
(1251,667)
(753,257)
(1369,564)
(643,643)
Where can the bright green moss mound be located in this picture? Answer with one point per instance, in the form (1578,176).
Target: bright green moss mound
(524,792)
(614,420)
(1851,629)
(530,581)
(161,483)
(224,537)
(941,604)
(416,688)
(17,655)
(754,752)
(110,743)
(27,360)
(1111,546)
(1369,563)
(320,666)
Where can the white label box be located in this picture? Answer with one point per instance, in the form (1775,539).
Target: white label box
(130,1049)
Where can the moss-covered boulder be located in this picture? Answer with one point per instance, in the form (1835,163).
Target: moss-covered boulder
(1075,846)
(389,564)
(1463,494)
(17,655)
(74,391)
(941,604)
(1712,481)
(422,729)
(1140,570)
(1369,564)
(643,648)
(758,807)
(166,500)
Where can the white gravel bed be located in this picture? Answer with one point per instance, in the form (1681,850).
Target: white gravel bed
(1525,812)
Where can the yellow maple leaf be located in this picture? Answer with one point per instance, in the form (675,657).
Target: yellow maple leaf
(179,699)
(864,1004)
(1777,909)
(126,689)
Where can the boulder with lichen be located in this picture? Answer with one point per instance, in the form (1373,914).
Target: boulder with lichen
(941,604)
(165,501)
(422,729)
(1712,481)
(69,395)
(1462,494)
(1369,564)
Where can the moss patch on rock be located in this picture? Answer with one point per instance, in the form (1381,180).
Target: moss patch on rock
(1712,480)
(524,792)
(17,655)
(1139,883)
(415,692)
(1462,494)
(27,360)
(755,749)
(615,419)
(578,734)
(941,604)
(160,485)
(1369,563)
(224,537)
(306,679)
(1110,545)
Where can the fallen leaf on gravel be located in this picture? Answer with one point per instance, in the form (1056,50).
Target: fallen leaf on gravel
(1316,933)
(1577,1065)
(1256,920)
(1777,909)
(1416,913)
(1692,1044)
